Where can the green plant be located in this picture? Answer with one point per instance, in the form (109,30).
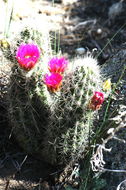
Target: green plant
(39,116)
(27,108)
(71,120)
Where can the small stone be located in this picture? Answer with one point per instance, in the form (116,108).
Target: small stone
(80,50)
(99,31)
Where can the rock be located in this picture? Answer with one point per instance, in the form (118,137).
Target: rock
(80,51)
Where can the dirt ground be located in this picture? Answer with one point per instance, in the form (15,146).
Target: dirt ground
(81,24)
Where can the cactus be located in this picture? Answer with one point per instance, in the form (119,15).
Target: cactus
(71,122)
(28,103)
(57,125)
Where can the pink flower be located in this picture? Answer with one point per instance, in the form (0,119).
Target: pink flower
(27,55)
(96,101)
(53,81)
(57,65)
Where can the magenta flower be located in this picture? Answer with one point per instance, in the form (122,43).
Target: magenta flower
(96,101)
(57,65)
(53,81)
(27,55)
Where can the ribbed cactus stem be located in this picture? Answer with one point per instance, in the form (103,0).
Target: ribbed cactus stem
(71,120)
(29,100)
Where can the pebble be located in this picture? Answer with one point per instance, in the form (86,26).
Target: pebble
(80,50)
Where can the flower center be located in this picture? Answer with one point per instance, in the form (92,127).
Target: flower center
(27,56)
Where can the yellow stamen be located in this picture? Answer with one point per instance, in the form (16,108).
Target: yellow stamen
(27,56)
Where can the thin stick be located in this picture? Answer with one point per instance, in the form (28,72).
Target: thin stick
(7,184)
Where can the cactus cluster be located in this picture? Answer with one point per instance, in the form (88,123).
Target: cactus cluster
(52,117)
